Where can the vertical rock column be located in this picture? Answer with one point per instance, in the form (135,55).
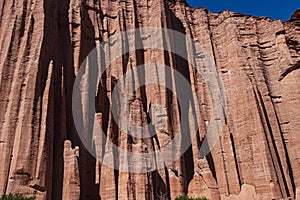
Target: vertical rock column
(71,182)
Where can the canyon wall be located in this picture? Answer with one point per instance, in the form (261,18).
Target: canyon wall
(43,43)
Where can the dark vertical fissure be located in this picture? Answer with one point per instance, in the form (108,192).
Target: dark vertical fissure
(87,162)
(288,160)
(235,159)
(264,120)
(281,173)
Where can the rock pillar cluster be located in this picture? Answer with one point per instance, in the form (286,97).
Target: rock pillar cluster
(43,43)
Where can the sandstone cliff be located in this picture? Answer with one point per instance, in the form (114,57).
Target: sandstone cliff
(44,42)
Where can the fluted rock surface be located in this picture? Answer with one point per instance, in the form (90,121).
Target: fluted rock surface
(42,46)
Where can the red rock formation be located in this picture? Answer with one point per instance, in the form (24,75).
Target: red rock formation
(44,42)
(71,182)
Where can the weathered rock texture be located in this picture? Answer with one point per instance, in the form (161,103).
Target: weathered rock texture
(43,43)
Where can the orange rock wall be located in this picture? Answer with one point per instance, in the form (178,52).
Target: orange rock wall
(42,45)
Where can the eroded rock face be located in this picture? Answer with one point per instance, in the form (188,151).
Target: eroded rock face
(71,182)
(43,44)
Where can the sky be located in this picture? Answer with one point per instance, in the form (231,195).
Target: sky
(276,9)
